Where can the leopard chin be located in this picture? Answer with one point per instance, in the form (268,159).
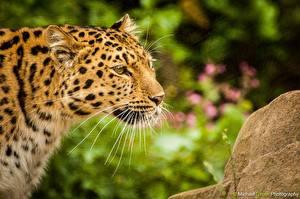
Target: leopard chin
(138,118)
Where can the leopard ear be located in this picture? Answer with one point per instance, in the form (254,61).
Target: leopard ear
(125,24)
(63,46)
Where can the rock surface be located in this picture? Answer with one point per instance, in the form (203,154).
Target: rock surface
(266,155)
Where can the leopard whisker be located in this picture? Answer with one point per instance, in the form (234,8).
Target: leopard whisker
(117,140)
(165,118)
(132,138)
(90,132)
(140,131)
(147,35)
(118,124)
(165,106)
(156,41)
(156,49)
(149,124)
(122,151)
(168,112)
(123,147)
(167,115)
(145,136)
(95,140)
(98,112)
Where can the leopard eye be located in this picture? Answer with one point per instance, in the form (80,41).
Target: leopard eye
(119,69)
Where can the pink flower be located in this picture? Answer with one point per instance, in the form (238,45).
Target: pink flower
(233,94)
(230,93)
(210,110)
(191,120)
(193,98)
(179,117)
(176,119)
(210,69)
(247,69)
(202,77)
(254,83)
(221,69)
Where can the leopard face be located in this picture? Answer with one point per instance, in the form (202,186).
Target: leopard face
(106,71)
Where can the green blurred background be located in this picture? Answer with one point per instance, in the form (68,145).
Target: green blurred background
(218,60)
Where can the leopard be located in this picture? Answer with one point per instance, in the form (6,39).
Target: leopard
(55,76)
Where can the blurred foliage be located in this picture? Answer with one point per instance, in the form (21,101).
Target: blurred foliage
(257,43)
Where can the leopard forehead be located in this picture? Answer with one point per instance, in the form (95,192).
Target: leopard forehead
(108,41)
(109,47)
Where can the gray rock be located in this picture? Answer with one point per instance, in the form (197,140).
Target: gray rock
(266,155)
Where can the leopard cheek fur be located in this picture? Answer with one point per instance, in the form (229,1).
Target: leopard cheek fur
(51,77)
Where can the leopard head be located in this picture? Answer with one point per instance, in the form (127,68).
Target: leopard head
(106,70)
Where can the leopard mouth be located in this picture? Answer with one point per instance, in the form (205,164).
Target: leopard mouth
(135,117)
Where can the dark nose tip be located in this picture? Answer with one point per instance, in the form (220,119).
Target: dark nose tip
(157,99)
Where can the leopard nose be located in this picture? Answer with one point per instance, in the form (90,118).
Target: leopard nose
(157,99)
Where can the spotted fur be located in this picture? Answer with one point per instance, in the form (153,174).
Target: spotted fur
(52,77)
